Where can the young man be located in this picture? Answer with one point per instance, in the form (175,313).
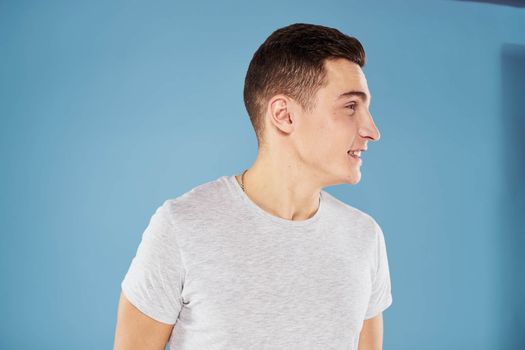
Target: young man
(267,259)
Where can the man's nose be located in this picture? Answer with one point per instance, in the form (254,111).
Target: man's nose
(369,129)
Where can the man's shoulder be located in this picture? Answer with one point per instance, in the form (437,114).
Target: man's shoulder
(201,198)
(346,212)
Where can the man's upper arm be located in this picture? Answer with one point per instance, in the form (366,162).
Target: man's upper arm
(136,331)
(371,336)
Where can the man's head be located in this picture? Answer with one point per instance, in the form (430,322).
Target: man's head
(296,93)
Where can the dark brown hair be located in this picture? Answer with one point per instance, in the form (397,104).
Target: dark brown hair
(291,62)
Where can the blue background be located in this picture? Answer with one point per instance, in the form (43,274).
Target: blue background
(110,107)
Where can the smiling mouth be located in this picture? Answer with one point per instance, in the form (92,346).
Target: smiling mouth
(355,154)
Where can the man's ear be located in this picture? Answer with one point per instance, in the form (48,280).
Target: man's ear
(280,109)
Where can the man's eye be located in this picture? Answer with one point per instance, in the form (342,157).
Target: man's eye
(351,106)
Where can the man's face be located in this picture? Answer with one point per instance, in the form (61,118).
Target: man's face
(340,121)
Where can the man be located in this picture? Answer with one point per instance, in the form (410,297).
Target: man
(266,259)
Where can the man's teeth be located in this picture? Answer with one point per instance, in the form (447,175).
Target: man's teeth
(355,153)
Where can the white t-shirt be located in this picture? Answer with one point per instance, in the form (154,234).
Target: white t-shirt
(230,275)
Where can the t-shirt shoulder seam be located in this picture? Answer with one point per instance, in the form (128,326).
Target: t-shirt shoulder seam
(348,206)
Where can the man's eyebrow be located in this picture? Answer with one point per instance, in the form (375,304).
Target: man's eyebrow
(361,94)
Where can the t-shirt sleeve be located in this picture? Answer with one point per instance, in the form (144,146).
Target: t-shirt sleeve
(381,295)
(154,280)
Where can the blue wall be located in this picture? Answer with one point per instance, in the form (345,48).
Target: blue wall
(109,108)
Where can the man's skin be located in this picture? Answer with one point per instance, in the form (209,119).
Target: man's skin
(371,336)
(136,331)
(303,152)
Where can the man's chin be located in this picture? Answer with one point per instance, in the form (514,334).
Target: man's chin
(354,180)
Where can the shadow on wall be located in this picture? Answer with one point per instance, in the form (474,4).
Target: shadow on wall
(515,3)
(511,232)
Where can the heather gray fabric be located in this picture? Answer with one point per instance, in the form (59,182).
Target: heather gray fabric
(230,275)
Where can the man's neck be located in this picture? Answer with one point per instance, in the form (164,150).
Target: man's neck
(281,189)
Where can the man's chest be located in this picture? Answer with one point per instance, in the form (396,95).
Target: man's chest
(299,289)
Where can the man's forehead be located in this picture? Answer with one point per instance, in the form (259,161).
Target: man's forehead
(346,79)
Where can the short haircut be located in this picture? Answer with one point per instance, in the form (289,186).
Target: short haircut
(291,61)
